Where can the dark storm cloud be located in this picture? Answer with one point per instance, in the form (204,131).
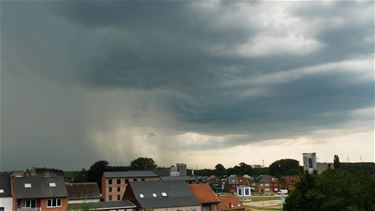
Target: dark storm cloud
(216,67)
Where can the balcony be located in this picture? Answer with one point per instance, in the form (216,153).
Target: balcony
(29,209)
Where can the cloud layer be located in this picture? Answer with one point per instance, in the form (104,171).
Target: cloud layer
(83,81)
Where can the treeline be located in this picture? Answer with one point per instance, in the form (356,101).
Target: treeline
(350,186)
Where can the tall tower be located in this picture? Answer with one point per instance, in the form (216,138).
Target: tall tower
(309,162)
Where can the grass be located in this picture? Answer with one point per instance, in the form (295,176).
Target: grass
(250,208)
(264,198)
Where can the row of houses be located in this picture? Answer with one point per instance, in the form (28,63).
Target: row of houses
(244,185)
(137,190)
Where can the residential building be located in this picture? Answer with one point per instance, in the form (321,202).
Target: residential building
(39,193)
(81,195)
(6,199)
(162,195)
(288,182)
(267,184)
(309,162)
(231,184)
(230,203)
(206,196)
(114,183)
(182,169)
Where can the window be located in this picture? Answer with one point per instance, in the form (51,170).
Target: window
(27,185)
(143,179)
(126,181)
(54,203)
(52,184)
(110,189)
(135,179)
(110,181)
(1,190)
(118,198)
(164,194)
(154,195)
(310,163)
(28,203)
(118,189)
(118,181)
(267,184)
(141,195)
(110,197)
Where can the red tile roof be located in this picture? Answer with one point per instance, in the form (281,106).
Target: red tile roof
(204,193)
(230,202)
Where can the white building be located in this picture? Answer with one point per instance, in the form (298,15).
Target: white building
(6,199)
(309,162)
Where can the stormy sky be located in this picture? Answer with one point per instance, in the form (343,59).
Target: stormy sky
(200,82)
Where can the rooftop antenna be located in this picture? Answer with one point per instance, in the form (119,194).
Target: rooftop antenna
(263,163)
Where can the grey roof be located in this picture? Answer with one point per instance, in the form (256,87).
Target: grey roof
(178,178)
(232,180)
(178,194)
(5,186)
(40,187)
(115,204)
(119,174)
(266,179)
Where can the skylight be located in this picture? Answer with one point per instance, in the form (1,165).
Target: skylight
(164,194)
(1,190)
(154,195)
(27,185)
(52,184)
(141,195)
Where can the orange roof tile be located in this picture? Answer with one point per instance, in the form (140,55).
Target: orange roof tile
(230,202)
(204,193)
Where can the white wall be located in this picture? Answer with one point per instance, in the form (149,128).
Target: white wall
(6,203)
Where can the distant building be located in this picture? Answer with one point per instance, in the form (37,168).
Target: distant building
(267,184)
(114,183)
(323,166)
(187,179)
(82,195)
(173,171)
(6,199)
(309,162)
(288,182)
(182,169)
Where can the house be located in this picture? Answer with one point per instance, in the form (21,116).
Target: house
(206,196)
(114,183)
(162,195)
(187,179)
(231,184)
(229,203)
(267,184)
(81,195)
(288,182)
(39,193)
(6,199)
(216,183)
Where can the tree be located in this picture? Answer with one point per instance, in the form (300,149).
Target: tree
(336,162)
(143,164)
(220,170)
(240,169)
(284,167)
(81,176)
(96,170)
(333,190)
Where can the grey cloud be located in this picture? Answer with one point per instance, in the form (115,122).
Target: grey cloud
(159,56)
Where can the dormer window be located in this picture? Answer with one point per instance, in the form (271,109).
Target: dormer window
(141,195)
(52,184)
(164,194)
(27,185)
(154,195)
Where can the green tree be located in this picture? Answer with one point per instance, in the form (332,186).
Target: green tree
(284,167)
(81,176)
(96,170)
(143,164)
(336,162)
(333,190)
(220,170)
